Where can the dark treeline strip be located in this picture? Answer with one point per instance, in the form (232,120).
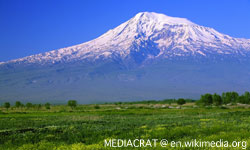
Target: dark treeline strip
(205,100)
(18,104)
(165,101)
(225,98)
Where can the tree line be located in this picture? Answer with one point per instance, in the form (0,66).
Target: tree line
(18,104)
(205,100)
(224,98)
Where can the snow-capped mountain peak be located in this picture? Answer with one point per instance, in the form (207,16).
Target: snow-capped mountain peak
(148,35)
(149,56)
(161,19)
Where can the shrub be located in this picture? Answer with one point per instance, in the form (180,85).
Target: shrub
(6,105)
(18,104)
(97,107)
(181,101)
(39,106)
(72,103)
(29,105)
(47,105)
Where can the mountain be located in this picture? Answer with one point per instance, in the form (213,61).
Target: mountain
(150,56)
(148,36)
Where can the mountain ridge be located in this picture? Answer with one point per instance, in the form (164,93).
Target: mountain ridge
(170,36)
(150,56)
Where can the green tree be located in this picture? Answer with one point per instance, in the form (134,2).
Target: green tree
(217,100)
(28,105)
(234,96)
(39,106)
(223,96)
(206,99)
(181,101)
(72,103)
(18,104)
(6,105)
(229,97)
(47,105)
(241,99)
(246,98)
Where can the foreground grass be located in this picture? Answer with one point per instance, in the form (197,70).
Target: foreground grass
(86,127)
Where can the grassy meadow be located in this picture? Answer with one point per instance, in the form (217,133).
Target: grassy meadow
(87,126)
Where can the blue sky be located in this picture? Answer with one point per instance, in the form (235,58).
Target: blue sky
(32,26)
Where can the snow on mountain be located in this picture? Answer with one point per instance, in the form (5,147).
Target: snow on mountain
(127,65)
(150,35)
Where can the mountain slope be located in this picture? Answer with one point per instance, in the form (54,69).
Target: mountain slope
(150,56)
(148,36)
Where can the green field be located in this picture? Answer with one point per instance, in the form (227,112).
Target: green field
(87,126)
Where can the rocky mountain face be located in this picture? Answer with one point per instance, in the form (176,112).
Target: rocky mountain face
(150,56)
